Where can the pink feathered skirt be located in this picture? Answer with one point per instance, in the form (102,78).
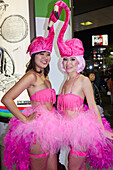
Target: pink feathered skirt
(44,129)
(83,132)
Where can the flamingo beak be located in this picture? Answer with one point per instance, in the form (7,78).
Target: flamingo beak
(56,9)
(50,24)
(56,14)
(48,28)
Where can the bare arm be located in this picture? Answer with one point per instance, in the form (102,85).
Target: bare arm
(8,99)
(88,91)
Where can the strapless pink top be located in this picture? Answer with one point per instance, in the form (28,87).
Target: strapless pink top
(45,95)
(69,102)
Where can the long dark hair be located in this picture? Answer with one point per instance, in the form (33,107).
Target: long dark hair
(31,65)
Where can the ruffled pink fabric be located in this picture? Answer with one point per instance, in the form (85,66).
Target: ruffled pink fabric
(69,102)
(44,96)
(83,131)
(106,159)
(20,137)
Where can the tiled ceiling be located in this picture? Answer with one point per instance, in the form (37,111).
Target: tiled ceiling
(100,13)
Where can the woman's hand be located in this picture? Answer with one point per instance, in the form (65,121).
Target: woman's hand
(32,116)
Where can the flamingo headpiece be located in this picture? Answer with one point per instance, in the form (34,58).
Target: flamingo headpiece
(43,43)
(73,47)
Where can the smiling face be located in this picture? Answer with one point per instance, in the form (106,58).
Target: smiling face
(42,60)
(70,64)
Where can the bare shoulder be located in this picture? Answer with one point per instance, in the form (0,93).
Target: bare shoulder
(30,76)
(28,79)
(84,80)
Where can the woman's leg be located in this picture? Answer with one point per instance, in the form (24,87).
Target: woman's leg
(77,160)
(84,165)
(38,158)
(52,162)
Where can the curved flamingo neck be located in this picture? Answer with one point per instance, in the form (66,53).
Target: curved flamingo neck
(51,30)
(65,25)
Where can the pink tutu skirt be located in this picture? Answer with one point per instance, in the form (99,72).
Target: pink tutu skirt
(83,132)
(44,129)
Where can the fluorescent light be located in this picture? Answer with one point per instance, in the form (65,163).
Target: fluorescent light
(86,23)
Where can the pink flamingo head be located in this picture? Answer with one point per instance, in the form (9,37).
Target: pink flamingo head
(55,14)
(73,47)
(43,43)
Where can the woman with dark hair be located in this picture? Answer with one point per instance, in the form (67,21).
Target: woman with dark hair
(31,65)
(32,139)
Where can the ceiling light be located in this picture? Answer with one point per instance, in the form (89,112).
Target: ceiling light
(86,23)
